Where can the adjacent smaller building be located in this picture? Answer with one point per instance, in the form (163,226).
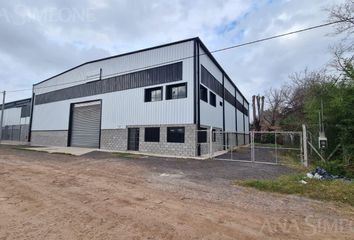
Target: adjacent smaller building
(16,120)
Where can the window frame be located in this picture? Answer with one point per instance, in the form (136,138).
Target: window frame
(203,135)
(170,87)
(175,140)
(149,129)
(212,99)
(148,93)
(202,96)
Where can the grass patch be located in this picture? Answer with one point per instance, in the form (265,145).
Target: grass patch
(337,190)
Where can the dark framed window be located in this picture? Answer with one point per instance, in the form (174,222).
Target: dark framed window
(153,94)
(203,93)
(220,103)
(212,100)
(175,134)
(152,134)
(176,91)
(214,135)
(202,135)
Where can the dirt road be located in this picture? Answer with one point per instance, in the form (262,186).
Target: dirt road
(51,196)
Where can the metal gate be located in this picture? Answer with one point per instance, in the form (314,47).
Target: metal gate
(133,139)
(85,124)
(259,147)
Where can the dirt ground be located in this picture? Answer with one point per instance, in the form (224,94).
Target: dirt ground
(98,196)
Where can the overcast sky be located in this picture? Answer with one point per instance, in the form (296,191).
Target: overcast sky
(43,38)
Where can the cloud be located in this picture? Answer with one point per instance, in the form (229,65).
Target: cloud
(43,38)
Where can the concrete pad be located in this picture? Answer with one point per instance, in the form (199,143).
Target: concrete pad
(7,142)
(76,151)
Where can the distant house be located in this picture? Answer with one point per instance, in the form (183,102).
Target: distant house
(16,120)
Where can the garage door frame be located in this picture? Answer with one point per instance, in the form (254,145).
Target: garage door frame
(71,115)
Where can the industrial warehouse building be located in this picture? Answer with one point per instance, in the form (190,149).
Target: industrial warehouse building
(153,101)
(16,120)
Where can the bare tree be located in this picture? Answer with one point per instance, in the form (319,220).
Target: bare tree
(343,12)
(275,99)
(343,52)
(258,109)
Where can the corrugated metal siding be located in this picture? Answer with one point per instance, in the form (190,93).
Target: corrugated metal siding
(125,107)
(229,86)
(118,66)
(159,75)
(210,115)
(230,123)
(86,125)
(12,116)
(247,125)
(211,78)
(239,121)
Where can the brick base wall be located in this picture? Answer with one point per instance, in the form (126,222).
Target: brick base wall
(49,138)
(117,139)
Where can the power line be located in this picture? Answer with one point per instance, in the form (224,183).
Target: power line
(214,51)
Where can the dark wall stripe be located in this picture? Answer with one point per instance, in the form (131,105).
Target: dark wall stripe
(153,76)
(16,104)
(211,82)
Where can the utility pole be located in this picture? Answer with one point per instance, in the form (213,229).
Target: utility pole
(2,113)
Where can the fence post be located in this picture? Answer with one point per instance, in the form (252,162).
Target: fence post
(252,147)
(2,113)
(304,142)
(211,142)
(276,147)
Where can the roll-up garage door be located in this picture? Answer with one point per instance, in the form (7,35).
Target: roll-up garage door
(86,124)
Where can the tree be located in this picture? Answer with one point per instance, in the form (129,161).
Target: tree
(343,52)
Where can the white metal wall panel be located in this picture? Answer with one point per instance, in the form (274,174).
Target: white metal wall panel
(210,115)
(209,65)
(239,97)
(126,107)
(246,105)
(118,66)
(230,123)
(12,116)
(247,125)
(119,109)
(239,121)
(25,120)
(229,87)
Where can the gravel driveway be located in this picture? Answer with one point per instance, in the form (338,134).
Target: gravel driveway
(97,196)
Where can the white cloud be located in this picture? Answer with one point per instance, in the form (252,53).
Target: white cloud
(44,45)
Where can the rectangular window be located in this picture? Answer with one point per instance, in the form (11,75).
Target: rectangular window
(152,134)
(214,135)
(203,93)
(175,134)
(153,94)
(212,99)
(176,91)
(202,135)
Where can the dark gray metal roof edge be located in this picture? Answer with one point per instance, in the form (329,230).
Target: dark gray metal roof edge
(120,55)
(17,103)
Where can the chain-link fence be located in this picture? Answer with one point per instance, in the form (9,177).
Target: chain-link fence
(258,147)
(277,147)
(15,133)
